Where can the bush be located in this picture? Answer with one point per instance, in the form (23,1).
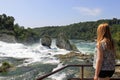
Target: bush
(5,66)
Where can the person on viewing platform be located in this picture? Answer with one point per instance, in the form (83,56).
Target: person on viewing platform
(104,57)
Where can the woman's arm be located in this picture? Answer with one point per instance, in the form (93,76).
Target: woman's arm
(98,61)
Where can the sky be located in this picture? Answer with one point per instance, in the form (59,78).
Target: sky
(41,13)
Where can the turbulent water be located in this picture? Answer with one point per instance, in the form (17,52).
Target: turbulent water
(31,61)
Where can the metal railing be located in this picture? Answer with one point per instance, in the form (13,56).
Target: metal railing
(82,73)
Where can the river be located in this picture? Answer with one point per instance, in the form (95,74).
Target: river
(31,61)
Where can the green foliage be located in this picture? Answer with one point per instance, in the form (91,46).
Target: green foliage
(6,22)
(82,30)
(5,66)
(25,35)
(51,31)
(117,41)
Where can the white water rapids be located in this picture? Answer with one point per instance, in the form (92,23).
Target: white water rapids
(38,53)
(35,53)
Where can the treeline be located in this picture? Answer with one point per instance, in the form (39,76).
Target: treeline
(82,30)
(21,34)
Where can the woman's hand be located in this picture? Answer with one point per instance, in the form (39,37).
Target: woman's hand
(95,77)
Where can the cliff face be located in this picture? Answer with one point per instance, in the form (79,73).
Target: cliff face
(7,38)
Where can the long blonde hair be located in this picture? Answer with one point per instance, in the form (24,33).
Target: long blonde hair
(103,32)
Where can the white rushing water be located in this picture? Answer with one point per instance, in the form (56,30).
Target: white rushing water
(37,52)
(34,53)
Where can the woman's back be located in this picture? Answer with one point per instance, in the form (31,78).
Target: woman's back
(108,62)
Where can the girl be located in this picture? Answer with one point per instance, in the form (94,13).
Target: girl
(104,58)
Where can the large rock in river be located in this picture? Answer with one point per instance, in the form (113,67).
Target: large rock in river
(63,42)
(46,41)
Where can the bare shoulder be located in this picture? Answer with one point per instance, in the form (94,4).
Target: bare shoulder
(103,41)
(98,45)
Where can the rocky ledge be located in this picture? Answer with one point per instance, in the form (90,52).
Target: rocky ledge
(75,56)
(7,38)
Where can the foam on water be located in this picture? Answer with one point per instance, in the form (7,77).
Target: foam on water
(58,76)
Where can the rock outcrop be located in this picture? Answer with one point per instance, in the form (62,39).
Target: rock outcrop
(46,41)
(7,38)
(63,42)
